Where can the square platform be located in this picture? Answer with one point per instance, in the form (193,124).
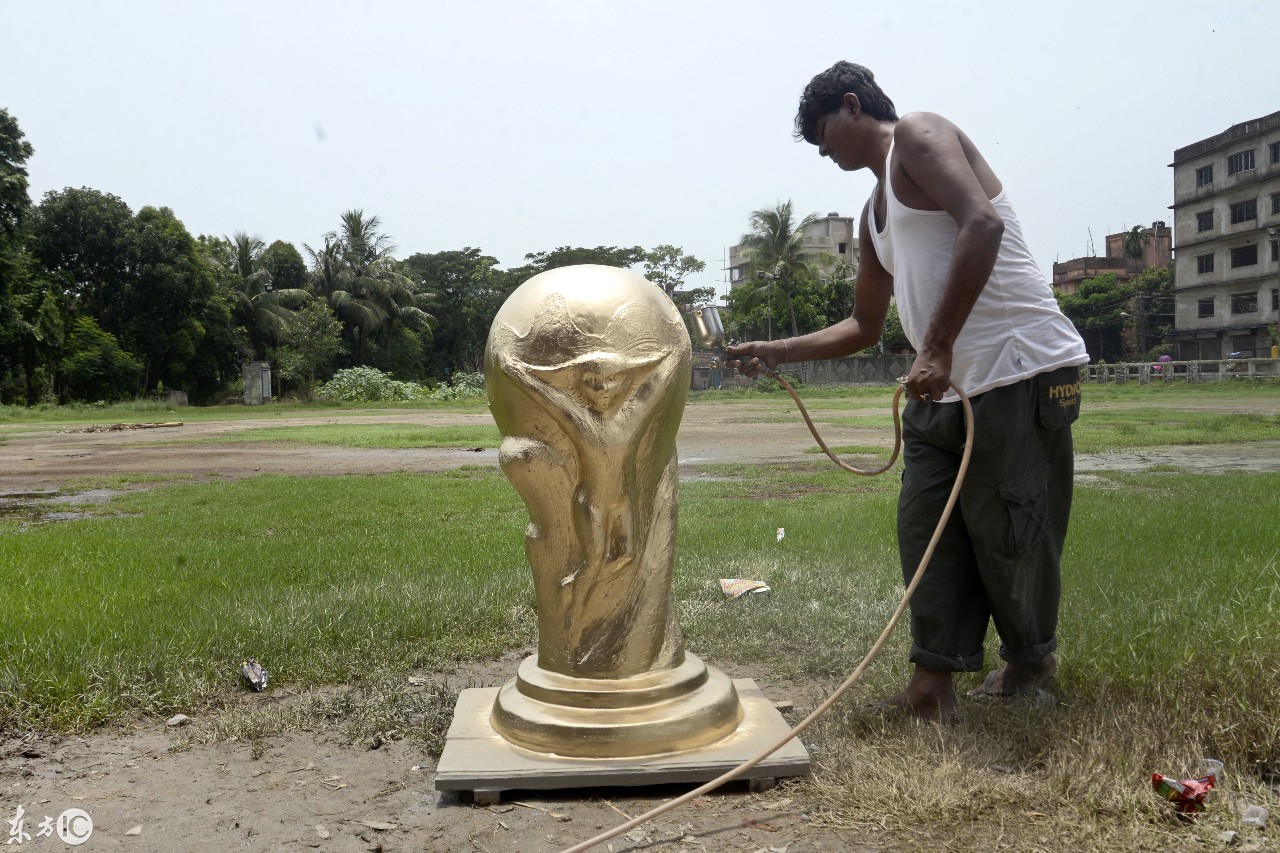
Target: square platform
(478,759)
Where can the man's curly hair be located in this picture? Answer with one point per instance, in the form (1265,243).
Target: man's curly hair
(825,94)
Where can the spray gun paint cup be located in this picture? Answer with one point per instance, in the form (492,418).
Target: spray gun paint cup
(708,330)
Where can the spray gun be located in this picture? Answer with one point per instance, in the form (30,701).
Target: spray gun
(709,331)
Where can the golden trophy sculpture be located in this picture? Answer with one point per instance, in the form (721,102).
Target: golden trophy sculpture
(587,370)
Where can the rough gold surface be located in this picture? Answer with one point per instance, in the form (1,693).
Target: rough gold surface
(587,370)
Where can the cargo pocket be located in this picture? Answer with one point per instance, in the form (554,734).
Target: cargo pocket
(1058,397)
(1025,501)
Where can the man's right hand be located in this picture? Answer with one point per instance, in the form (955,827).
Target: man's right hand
(754,357)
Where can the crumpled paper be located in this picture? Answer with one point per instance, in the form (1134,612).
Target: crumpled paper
(734,587)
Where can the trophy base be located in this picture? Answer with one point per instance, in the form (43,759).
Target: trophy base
(665,711)
(478,760)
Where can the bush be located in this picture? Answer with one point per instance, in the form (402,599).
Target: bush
(465,386)
(366,385)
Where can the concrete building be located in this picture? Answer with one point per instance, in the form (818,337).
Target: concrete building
(833,236)
(1226,220)
(1159,251)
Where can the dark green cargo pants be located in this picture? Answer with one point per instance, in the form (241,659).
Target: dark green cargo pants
(998,559)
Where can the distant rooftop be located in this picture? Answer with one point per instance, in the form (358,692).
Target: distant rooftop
(1236,131)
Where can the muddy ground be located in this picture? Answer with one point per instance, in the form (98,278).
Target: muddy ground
(146,790)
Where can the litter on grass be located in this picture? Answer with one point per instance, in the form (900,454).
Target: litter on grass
(734,587)
(254,674)
(1187,795)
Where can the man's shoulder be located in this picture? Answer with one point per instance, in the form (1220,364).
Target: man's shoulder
(920,125)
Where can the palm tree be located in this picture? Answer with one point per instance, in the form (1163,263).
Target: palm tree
(775,246)
(264,311)
(1136,241)
(356,272)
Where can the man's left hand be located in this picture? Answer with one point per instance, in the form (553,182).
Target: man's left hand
(930,376)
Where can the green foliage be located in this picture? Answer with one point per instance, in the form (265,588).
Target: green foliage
(1095,310)
(892,336)
(468,290)
(779,261)
(283,262)
(567,256)
(15,150)
(357,274)
(314,341)
(667,267)
(364,385)
(1136,242)
(94,367)
(462,386)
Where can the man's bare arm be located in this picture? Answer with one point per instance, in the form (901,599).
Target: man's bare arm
(929,149)
(872,291)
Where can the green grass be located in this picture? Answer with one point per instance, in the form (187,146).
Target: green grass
(1170,614)
(1117,429)
(322,579)
(376,436)
(141,411)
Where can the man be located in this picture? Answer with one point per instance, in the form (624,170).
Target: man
(940,236)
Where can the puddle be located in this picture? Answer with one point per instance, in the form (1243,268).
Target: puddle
(40,507)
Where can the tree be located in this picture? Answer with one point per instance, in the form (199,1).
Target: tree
(314,342)
(176,322)
(285,265)
(1099,310)
(261,306)
(775,246)
(15,266)
(841,290)
(565,256)
(1136,241)
(468,290)
(667,267)
(1154,310)
(94,367)
(356,273)
(15,150)
(83,237)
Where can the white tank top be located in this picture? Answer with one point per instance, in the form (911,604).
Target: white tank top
(1015,330)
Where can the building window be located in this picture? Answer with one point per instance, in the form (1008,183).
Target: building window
(1204,220)
(1244,211)
(1206,307)
(1275,299)
(1204,263)
(1204,176)
(1244,256)
(1244,303)
(1275,250)
(1275,152)
(1275,203)
(844,247)
(1241,161)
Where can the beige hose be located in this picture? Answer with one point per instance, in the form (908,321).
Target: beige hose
(875,648)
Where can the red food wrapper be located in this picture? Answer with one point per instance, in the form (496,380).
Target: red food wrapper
(1187,795)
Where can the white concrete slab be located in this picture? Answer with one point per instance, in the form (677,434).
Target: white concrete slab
(478,759)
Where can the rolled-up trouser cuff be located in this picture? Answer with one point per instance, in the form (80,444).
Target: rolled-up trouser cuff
(1029,654)
(944,663)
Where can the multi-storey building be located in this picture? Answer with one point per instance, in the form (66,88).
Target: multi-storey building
(833,238)
(1226,220)
(1068,275)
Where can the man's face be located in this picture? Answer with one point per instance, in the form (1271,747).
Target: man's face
(836,134)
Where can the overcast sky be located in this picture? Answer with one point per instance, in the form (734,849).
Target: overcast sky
(518,127)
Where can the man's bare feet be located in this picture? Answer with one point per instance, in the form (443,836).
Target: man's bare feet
(929,696)
(1016,679)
